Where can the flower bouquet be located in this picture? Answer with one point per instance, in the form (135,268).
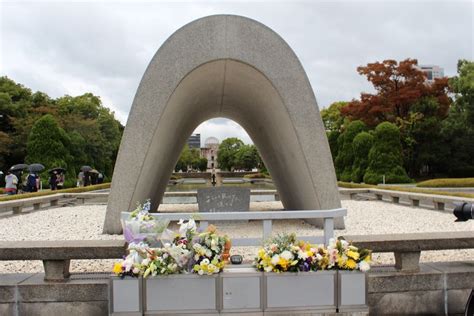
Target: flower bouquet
(142,227)
(351,263)
(208,252)
(343,255)
(284,253)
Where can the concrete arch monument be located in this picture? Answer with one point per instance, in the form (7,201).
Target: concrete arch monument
(234,67)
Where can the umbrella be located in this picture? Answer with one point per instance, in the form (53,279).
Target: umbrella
(58,170)
(86,168)
(19,167)
(36,167)
(93,171)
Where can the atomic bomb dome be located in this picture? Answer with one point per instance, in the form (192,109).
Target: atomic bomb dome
(211,141)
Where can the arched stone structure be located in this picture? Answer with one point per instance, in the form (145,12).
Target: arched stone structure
(234,67)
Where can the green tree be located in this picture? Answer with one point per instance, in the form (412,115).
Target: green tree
(202,164)
(185,159)
(345,156)
(92,129)
(421,139)
(458,129)
(227,152)
(385,156)
(332,118)
(361,146)
(47,144)
(333,137)
(246,158)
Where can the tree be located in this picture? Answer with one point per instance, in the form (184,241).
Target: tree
(185,159)
(398,87)
(345,156)
(385,156)
(202,164)
(361,146)
(458,129)
(92,134)
(420,136)
(246,158)
(46,144)
(332,118)
(227,152)
(333,137)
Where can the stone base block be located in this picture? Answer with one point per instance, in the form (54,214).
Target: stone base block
(96,308)
(407,261)
(407,303)
(457,300)
(8,309)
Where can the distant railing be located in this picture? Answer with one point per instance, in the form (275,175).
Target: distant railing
(266,218)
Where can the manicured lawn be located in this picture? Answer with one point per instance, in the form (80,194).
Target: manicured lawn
(447,183)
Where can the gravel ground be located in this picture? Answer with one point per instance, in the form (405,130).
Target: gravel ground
(365,218)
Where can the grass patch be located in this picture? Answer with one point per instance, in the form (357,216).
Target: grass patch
(428,191)
(49,192)
(351,185)
(447,183)
(403,189)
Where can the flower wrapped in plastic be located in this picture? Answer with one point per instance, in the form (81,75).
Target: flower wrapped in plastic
(142,227)
(345,256)
(208,252)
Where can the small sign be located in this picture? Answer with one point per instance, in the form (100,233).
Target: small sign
(223,199)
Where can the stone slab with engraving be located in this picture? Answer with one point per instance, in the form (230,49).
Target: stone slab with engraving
(223,199)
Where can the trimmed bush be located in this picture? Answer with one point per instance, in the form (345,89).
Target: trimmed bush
(361,147)
(385,157)
(345,156)
(257,176)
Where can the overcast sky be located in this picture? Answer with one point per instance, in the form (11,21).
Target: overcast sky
(103,47)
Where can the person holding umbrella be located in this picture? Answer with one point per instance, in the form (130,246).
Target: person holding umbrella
(2,179)
(31,184)
(53,181)
(33,179)
(17,171)
(11,182)
(59,183)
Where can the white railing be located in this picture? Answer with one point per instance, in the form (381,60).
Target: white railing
(266,217)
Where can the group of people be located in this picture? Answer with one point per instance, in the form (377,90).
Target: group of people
(86,178)
(56,180)
(32,182)
(13,185)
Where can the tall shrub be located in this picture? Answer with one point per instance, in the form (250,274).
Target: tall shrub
(385,156)
(345,156)
(47,144)
(361,146)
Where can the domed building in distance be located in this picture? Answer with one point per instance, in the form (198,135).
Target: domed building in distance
(210,152)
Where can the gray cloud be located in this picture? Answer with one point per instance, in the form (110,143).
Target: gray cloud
(104,47)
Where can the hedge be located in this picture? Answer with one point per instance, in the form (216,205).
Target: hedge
(49,192)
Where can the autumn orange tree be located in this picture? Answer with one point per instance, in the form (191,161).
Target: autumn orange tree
(398,86)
